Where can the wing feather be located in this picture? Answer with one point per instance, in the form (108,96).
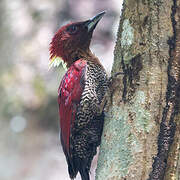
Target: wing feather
(70,92)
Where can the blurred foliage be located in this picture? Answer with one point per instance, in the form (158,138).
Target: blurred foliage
(26,31)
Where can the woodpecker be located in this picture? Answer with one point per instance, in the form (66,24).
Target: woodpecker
(80,95)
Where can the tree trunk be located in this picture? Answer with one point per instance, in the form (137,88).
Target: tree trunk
(140,140)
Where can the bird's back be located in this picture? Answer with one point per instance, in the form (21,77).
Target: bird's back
(80,94)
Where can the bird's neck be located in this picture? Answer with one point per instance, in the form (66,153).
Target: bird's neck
(82,54)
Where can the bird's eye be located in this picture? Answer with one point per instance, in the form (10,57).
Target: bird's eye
(72,29)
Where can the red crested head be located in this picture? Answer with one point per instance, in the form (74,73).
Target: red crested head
(71,42)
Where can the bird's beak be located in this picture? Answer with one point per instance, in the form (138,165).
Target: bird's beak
(91,23)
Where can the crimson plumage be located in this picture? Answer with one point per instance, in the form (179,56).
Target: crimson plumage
(80,95)
(70,91)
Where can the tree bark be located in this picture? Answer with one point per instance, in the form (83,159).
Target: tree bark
(141,139)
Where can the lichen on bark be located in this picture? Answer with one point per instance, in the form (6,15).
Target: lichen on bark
(139,99)
(112,164)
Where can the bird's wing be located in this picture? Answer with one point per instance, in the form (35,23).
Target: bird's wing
(70,91)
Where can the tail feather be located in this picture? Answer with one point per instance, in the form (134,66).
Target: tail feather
(84,174)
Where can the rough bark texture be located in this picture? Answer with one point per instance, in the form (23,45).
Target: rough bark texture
(141,132)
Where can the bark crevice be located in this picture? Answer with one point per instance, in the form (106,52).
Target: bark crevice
(168,124)
(131,76)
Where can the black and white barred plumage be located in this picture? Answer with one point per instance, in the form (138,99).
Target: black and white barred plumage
(95,87)
(88,125)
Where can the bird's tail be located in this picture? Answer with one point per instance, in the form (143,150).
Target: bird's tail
(84,174)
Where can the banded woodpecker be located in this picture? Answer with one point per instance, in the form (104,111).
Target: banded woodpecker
(80,95)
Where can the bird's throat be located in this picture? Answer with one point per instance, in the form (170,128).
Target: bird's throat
(81,54)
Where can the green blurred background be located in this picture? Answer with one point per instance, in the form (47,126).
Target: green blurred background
(29,122)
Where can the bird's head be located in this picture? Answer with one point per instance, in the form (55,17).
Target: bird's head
(72,40)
